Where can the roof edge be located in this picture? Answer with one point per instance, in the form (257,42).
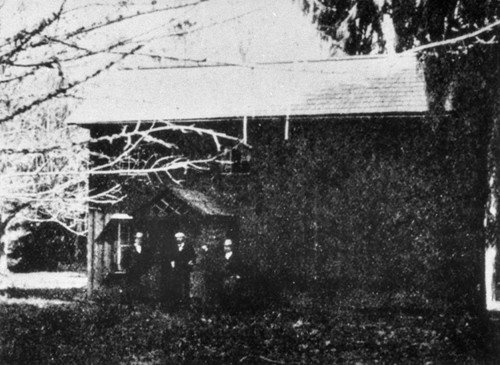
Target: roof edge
(378,115)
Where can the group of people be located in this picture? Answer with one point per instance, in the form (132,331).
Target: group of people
(176,268)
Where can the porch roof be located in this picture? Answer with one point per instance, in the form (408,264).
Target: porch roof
(355,86)
(180,201)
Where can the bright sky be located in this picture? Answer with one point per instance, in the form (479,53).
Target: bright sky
(265,30)
(223,31)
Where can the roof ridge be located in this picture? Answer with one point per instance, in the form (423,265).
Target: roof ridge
(290,62)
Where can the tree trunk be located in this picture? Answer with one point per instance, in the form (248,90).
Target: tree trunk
(4,223)
(4,270)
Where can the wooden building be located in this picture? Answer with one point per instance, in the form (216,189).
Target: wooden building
(270,107)
(172,210)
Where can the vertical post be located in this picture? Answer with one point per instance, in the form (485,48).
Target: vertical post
(108,256)
(90,253)
(119,247)
(97,249)
(245,129)
(490,254)
(490,285)
(287,127)
(102,250)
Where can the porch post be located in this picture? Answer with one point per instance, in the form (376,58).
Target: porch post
(90,252)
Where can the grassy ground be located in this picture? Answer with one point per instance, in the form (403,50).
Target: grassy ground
(45,319)
(62,328)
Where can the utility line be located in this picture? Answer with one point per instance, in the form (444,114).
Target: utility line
(452,40)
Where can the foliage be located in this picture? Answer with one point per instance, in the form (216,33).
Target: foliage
(387,206)
(46,247)
(348,329)
(357,26)
(391,206)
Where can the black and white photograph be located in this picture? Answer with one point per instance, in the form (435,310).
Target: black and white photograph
(249,182)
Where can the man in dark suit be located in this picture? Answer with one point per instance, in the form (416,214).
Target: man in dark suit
(137,266)
(182,264)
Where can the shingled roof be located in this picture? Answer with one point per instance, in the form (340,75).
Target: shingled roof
(180,201)
(356,86)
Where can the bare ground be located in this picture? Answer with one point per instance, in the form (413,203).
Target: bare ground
(44,280)
(39,281)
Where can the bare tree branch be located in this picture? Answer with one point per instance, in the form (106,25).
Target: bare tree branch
(123,18)
(461,38)
(147,134)
(24,37)
(45,165)
(62,90)
(58,189)
(17,78)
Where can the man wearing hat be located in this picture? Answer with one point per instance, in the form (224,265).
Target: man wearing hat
(182,264)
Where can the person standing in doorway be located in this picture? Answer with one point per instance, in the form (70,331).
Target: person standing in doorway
(182,264)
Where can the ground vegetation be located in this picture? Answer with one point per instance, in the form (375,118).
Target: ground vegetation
(349,329)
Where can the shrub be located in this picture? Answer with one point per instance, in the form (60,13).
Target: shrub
(47,247)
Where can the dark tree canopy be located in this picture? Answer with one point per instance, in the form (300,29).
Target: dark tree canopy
(355,26)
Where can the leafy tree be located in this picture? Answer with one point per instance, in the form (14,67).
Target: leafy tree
(357,26)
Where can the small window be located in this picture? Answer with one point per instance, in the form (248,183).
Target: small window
(123,247)
(235,160)
(119,244)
